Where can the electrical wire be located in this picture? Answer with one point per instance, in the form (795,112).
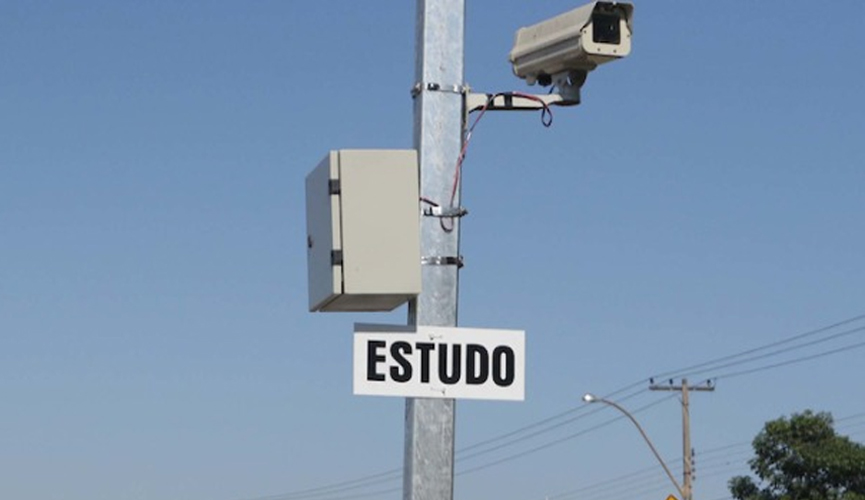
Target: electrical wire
(636,478)
(709,464)
(780,351)
(393,475)
(850,417)
(546,121)
(359,495)
(708,364)
(345,486)
(559,441)
(545,430)
(324,491)
(790,362)
(555,422)
(547,423)
(717,461)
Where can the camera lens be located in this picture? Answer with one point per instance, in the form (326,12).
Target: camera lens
(605,28)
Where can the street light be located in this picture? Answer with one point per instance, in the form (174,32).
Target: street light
(591,398)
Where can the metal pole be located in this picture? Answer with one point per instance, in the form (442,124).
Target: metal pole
(438,136)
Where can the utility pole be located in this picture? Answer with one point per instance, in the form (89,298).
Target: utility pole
(687,466)
(428,469)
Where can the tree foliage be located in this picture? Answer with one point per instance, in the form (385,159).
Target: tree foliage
(802,458)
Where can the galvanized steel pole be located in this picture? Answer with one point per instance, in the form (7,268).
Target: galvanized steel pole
(438,135)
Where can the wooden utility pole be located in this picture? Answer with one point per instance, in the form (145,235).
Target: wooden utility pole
(687,453)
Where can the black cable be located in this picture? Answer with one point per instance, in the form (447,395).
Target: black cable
(637,477)
(789,362)
(850,417)
(357,495)
(383,477)
(714,463)
(394,474)
(543,431)
(760,348)
(564,439)
(780,351)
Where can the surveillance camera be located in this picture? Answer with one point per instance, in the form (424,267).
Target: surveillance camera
(563,49)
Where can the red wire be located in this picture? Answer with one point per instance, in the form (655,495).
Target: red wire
(468,137)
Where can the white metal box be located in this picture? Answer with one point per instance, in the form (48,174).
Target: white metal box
(363,230)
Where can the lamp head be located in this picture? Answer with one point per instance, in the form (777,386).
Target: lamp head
(589,398)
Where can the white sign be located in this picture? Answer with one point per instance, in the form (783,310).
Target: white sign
(439,362)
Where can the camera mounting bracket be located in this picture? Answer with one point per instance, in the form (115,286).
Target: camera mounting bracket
(511,102)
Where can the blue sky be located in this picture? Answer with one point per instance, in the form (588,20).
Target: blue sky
(705,199)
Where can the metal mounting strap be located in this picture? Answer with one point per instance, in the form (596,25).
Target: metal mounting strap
(437,87)
(445,212)
(511,102)
(442,261)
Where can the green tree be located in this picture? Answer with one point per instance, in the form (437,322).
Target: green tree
(802,458)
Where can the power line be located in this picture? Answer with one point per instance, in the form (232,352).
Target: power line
(791,361)
(554,422)
(678,373)
(628,483)
(356,495)
(648,479)
(536,433)
(850,417)
(548,420)
(556,442)
(382,477)
(781,351)
(809,333)
(344,486)
(638,477)
(392,475)
(721,459)
(640,489)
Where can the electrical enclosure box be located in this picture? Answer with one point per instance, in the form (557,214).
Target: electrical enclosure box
(363,230)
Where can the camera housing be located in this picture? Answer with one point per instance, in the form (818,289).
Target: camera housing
(562,50)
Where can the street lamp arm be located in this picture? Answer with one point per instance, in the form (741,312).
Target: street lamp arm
(591,399)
